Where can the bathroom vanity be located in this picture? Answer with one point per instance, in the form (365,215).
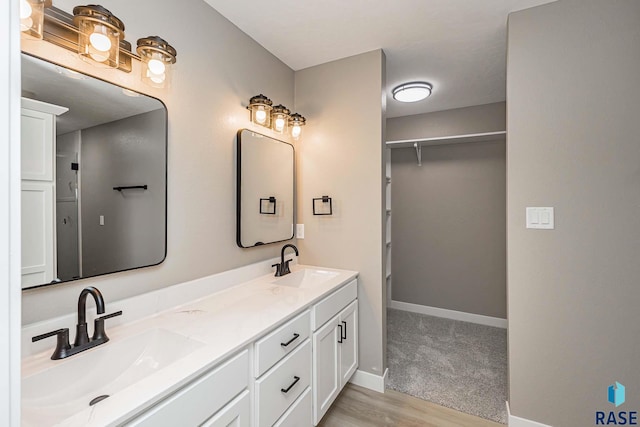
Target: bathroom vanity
(241,348)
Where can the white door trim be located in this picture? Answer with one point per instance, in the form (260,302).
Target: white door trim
(10,290)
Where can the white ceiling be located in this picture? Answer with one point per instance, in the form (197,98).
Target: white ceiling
(457,45)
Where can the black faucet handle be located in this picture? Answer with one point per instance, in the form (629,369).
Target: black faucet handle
(62,345)
(98,326)
(278,267)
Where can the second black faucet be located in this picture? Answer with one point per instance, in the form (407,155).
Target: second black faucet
(283,267)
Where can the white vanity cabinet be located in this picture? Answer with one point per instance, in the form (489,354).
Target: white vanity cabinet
(221,393)
(283,375)
(38,153)
(335,346)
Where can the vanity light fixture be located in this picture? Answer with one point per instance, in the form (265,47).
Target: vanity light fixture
(99,35)
(412,92)
(32,18)
(260,107)
(157,56)
(280,119)
(296,121)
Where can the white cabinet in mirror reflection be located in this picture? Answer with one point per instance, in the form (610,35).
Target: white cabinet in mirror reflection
(38,145)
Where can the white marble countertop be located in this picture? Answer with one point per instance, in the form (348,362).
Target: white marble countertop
(225,322)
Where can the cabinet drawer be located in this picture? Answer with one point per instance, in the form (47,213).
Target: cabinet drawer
(236,414)
(282,385)
(197,401)
(299,415)
(282,341)
(331,305)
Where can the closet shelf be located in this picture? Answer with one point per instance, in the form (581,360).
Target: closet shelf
(453,139)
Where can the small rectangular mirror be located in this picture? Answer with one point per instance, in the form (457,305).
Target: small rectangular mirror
(265,199)
(94,176)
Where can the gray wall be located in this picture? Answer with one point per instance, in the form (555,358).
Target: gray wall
(219,68)
(449,227)
(341,156)
(130,151)
(573,292)
(67,230)
(459,121)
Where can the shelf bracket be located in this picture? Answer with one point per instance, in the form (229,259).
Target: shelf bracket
(418,148)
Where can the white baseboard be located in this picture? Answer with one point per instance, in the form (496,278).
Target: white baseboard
(450,314)
(371,381)
(514,421)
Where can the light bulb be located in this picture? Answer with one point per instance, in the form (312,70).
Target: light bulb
(279,124)
(296,131)
(157,78)
(99,57)
(25,9)
(26,24)
(100,41)
(261,116)
(156,66)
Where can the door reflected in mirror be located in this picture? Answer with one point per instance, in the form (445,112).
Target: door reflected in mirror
(94,168)
(265,199)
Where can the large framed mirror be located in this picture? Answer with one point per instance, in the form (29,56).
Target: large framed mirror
(94,176)
(265,189)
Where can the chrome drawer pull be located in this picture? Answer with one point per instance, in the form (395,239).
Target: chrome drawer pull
(295,381)
(286,344)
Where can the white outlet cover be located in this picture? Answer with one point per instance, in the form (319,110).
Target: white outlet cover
(300,231)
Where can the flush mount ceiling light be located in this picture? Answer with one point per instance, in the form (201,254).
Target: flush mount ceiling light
(412,92)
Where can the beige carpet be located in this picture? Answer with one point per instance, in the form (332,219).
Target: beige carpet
(456,364)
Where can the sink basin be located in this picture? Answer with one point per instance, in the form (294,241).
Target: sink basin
(305,278)
(66,388)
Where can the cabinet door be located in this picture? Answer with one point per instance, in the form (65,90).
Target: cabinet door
(38,256)
(236,414)
(349,344)
(37,145)
(326,368)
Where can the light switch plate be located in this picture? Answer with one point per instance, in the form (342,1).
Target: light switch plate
(540,218)
(300,231)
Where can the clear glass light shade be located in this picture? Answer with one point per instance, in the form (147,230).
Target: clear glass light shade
(296,121)
(280,119)
(260,107)
(157,59)
(32,18)
(99,35)
(412,92)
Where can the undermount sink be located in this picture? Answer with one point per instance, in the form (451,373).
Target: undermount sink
(68,387)
(305,278)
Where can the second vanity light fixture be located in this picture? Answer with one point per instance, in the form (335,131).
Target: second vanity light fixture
(278,118)
(97,36)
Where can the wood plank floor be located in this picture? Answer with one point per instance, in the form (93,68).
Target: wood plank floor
(360,407)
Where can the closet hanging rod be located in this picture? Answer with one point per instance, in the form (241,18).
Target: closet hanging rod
(452,139)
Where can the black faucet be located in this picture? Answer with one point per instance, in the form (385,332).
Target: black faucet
(283,267)
(82,336)
(82,341)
